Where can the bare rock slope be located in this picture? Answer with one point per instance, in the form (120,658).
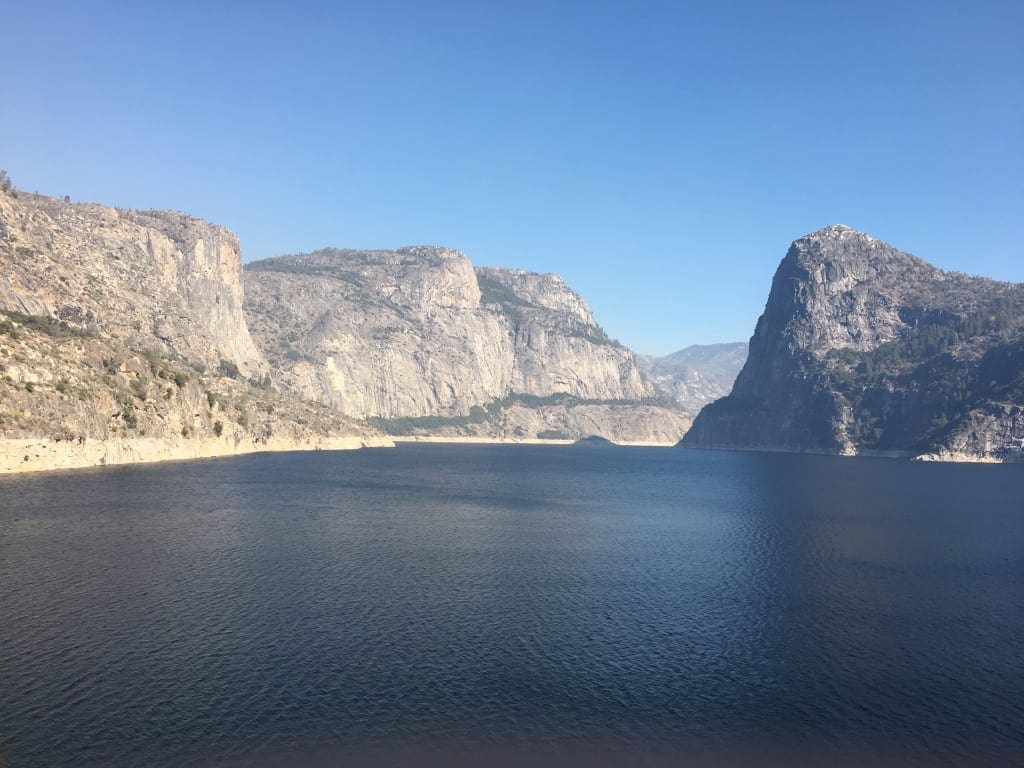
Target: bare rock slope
(156,279)
(420,341)
(863,348)
(122,339)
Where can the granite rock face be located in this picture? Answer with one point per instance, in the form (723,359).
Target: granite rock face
(557,345)
(696,375)
(122,339)
(864,349)
(419,333)
(154,279)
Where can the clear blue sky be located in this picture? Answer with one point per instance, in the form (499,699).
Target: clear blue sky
(659,156)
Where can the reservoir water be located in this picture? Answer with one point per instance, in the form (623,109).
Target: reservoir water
(528,604)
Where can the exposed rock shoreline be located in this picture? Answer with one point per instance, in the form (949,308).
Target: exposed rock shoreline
(37,455)
(30,455)
(944,457)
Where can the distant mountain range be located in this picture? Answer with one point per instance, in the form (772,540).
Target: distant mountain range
(865,349)
(697,374)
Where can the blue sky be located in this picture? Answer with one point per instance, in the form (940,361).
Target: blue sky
(659,156)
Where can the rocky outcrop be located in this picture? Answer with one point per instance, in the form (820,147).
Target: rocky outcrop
(154,279)
(418,333)
(696,375)
(378,333)
(557,346)
(865,349)
(122,339)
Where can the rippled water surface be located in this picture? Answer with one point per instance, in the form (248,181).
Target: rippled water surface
(523,602)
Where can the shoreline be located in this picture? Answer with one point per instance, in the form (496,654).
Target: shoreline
(517,441)
(25,455)
(34,454)
(29,455)
(944,457)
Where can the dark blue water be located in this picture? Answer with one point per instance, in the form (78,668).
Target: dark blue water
(550,604)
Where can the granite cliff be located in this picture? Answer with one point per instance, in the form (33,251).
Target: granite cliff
(122,339)
(419,341)
(864,349)
(155,279)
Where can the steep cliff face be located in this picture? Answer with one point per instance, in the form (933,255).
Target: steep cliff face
(557,345)
(696,375)
(379,333)
(863,348)
(122,339)
(419,333)
(153,279)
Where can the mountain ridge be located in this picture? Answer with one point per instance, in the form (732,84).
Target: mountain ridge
(486,351)
(122,339)
(865,349)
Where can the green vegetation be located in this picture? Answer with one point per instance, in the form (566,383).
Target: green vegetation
(870,367)
(409,425)
(49,326)
(229,369)
(298,265)
(561,398)
(493,291)
(261,382)
(936,336)
(141,388)
(595,334)
(552,434)
(913,386)
(218,428)
(11,417)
